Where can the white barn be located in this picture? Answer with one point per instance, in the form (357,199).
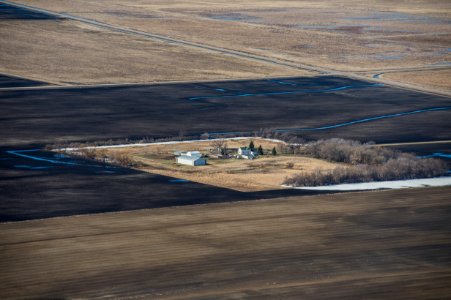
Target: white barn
(191,158)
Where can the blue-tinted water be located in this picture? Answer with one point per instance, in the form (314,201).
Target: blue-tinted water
(178,181)
(438,154)
(364,120)
(346,87)
(32,167)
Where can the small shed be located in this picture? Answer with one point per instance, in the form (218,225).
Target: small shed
(191,160)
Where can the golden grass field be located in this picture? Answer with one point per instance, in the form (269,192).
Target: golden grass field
(439,79)
(372,245)
(264,173)
(344,35)
(69,52)
(347,35)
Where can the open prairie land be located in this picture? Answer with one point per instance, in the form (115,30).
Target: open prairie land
(61,51)
(344,35)
(68,52)
(376,245)
(439,79)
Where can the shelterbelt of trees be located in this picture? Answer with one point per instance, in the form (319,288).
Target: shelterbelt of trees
(366,163)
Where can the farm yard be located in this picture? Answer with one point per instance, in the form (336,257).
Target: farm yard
(124,221)
(254,164)
(265,172)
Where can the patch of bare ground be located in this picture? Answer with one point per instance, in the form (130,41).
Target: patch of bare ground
(440,79)
(267,172)
(372,245)
(65,52)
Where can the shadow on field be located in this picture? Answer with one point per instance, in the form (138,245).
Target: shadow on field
(12,81)
(11,12)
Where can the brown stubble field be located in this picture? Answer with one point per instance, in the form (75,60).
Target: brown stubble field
(373,245)
(70,52)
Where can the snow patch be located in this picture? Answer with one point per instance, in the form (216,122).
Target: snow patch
(375,185)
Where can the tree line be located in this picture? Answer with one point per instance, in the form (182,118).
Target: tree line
(367,163)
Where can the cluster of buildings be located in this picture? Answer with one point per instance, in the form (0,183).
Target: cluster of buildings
(195,158)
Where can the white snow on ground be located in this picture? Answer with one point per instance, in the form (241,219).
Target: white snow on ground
(375,185)
(166,143)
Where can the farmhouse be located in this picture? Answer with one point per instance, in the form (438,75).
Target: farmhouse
(191,158)
(247,153)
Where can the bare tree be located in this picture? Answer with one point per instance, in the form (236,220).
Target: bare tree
(395,169)
(205,136)
(219,146)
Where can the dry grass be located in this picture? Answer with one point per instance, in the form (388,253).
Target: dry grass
(264,173)
(440,79)
(66,52)
(346,34)
(374,245)
(203,146)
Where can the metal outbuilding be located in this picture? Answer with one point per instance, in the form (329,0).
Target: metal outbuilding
(191,160)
